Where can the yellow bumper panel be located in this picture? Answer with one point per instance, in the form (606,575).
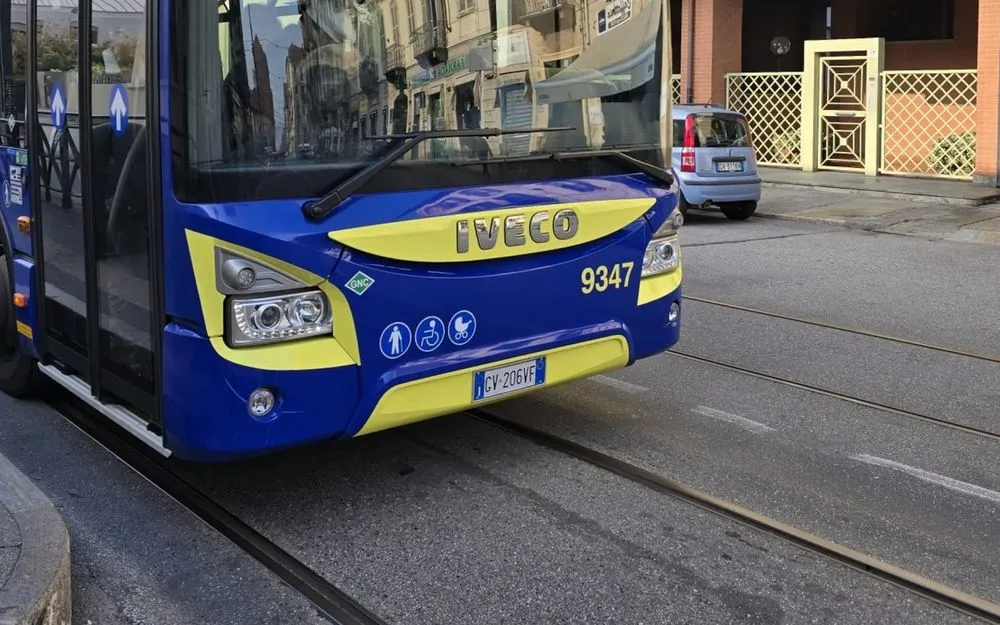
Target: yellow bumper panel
(452,392)
(658,287)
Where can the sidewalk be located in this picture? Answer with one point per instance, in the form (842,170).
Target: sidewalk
(915,215)
(34,555)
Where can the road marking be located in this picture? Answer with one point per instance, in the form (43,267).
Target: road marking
(743,422)
(628,387)
(934,478)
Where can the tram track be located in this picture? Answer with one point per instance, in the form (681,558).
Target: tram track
(835,394)
(847,329)
(926,588)
(331,601)
(846,397)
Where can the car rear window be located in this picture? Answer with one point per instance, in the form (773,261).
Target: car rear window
(714,130)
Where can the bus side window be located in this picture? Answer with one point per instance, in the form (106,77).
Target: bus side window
(118,185)
(13,72)
(118,159)
(118,190)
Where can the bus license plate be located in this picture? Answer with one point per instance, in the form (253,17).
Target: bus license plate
(729,166)
(508,378)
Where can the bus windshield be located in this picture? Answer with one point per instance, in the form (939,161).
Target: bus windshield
(312,88)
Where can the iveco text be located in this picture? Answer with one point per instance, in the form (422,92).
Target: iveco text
(565,225)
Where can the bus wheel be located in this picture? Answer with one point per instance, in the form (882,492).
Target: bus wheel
(19,374)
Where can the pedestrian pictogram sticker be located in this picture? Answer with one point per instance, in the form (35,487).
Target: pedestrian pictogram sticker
(118,109)
(429,334)
(360,282)
(462,327)
(395,340)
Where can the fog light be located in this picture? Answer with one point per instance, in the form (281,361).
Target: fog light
(675,311)
(245,278)
(261,402)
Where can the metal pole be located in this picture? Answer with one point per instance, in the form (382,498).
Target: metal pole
(690,59)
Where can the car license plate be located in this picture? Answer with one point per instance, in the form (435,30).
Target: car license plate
(729,166)
(508,378)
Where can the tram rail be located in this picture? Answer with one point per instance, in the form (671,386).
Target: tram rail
(853,399)
(847,329)
(331,601)
(342,609)
(828,392)
(941,594)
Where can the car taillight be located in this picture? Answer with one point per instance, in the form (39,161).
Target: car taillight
(687,152)
(753,150)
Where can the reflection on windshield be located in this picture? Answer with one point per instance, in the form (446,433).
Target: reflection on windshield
(273,80)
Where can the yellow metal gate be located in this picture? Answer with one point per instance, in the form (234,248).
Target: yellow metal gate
(840,105)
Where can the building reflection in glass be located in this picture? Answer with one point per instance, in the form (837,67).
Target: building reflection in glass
(329,79)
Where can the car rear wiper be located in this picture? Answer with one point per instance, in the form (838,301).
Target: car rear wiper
(325,205)
(662,176)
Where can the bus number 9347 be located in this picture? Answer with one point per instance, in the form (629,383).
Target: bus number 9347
(600,278)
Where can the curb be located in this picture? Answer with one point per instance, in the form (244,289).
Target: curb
(851,224)
(959,235)
(38,591)
(886,194)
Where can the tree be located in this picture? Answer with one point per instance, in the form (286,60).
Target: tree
(19,41)
(57,51)
(57,48)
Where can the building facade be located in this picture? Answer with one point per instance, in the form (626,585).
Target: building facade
(878,87)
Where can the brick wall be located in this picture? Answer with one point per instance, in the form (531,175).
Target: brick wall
(718,26)
(988,53)
(957,53)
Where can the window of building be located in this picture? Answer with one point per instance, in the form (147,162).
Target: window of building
(912,20)
(411,18)
(466,6)
(394,18)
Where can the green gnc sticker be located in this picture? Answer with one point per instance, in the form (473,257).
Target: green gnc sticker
(360,282)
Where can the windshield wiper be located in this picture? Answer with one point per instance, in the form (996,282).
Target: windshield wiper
(658,174)
(325,205)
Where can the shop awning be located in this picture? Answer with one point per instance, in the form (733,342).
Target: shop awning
(616,61)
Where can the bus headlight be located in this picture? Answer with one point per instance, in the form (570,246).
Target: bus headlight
(663,253)
(260,320)
(662,256)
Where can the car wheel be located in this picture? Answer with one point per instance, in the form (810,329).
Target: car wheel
(738,211)
(682,204)
(19,374)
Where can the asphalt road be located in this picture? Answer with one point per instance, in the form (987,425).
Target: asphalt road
(962,390)
(137,557)
(455,521)
(939,292)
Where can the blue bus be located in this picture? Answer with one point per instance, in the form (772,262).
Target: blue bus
(238,226)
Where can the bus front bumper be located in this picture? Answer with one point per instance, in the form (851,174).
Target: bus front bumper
(205,397)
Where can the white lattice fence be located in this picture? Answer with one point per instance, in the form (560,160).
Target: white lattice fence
(772,103)
(928,123)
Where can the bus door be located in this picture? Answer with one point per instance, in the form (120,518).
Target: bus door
(92,201)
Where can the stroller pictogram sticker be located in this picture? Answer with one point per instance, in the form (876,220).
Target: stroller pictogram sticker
(462,327)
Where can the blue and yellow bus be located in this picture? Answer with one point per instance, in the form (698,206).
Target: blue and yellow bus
(238,226)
